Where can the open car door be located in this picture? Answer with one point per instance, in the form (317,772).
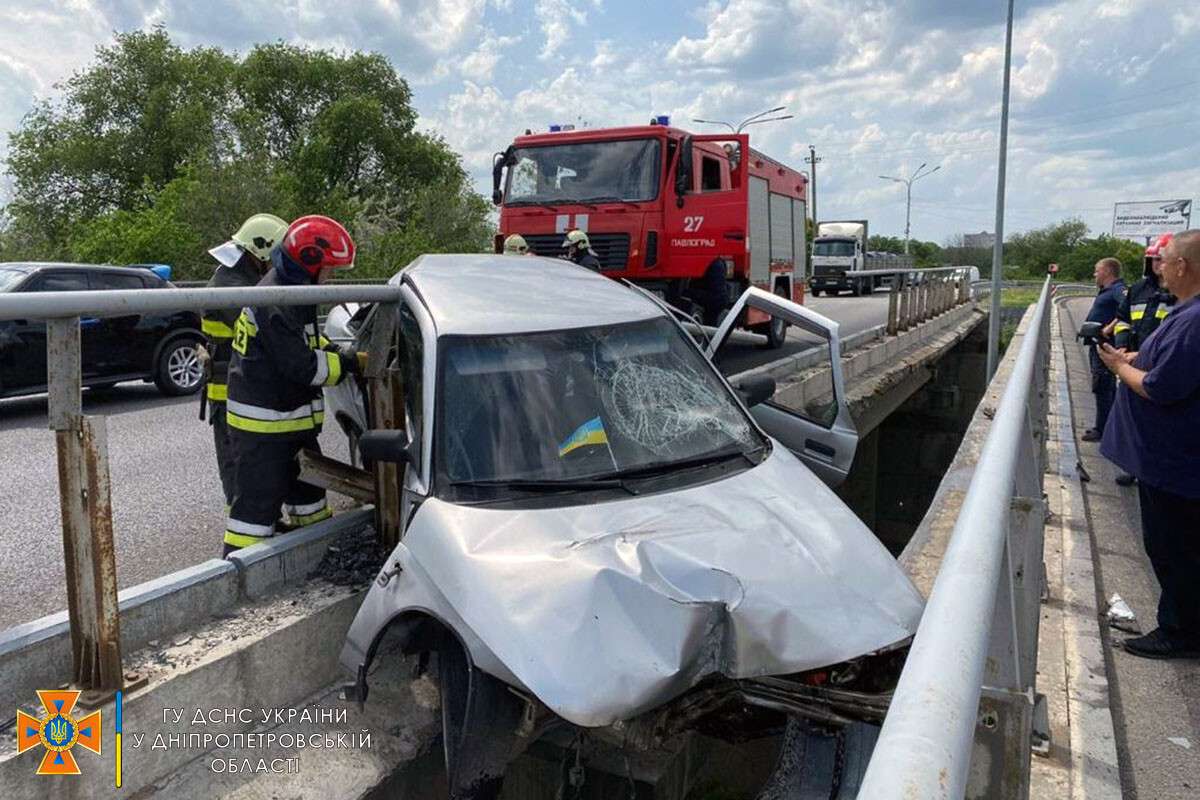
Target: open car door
(810,417)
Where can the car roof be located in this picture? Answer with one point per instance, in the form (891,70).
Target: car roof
(497,294)
(35,266)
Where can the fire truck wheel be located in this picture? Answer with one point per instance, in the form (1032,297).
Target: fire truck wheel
(777,327)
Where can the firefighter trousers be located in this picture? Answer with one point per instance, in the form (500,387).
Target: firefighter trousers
(266,478)
(223,442)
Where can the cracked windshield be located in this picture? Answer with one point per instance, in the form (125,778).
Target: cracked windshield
(582,402)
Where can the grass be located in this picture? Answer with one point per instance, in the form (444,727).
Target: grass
(1019,297)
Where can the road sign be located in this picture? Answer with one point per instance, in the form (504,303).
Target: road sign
(1151,218)
(1052,269)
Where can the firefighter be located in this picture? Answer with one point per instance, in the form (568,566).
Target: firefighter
(515,245)
(1146,304)
(577,248)
(275,408)
(243,260)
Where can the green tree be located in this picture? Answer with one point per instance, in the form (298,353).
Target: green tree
(156,153)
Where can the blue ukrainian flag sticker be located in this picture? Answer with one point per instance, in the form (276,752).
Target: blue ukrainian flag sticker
(590,432)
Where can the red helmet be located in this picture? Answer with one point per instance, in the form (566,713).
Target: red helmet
(315,243)
(1155,250)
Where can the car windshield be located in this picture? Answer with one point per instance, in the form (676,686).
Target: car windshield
(833,249)
(569,405)
(620,170)
(10,278)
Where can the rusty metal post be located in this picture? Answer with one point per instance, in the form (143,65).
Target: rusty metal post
(905,302)
(86,503)
(387,412)
(893,324)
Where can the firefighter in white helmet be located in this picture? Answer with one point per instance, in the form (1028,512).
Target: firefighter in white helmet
(243,261)
(515,245)
(578,248)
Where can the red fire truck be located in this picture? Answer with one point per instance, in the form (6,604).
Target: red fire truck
(696,218)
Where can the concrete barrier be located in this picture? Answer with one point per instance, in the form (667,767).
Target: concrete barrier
(37,654)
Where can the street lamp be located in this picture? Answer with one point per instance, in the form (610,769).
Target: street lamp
(908,182)
(754,119)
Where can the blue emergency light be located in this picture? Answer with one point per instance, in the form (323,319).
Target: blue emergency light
(555,128)
(663,119)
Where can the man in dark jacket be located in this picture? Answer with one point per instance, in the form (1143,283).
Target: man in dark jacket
(1104,310)
(578,248)
(243,260)
(1154,434)
(275,408)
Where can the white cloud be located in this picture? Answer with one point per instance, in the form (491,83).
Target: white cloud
(481,62)
(558,19)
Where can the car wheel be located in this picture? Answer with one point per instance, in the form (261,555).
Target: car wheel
(178,371)
(816,292)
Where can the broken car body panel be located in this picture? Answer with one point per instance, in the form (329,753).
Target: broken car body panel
(603,610)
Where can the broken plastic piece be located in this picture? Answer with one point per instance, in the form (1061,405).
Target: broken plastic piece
(1119,610)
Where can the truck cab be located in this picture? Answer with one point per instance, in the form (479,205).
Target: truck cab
(839,250)
(695,218)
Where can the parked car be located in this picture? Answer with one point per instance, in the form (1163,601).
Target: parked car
(149,347)
(601,533)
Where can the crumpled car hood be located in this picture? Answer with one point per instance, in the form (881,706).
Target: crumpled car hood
(604,611)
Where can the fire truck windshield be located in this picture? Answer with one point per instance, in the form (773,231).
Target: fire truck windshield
(833,248)
(618,171)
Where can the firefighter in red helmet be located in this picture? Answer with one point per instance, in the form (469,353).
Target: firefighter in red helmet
(275,407)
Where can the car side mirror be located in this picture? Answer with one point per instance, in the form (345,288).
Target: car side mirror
(389,447)
(755,390)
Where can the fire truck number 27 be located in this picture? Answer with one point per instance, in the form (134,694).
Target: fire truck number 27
(692,224)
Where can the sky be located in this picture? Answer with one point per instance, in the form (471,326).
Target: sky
(1104,92)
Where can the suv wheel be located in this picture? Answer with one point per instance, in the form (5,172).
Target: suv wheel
(178,371)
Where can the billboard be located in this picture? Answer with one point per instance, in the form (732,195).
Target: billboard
(1151,218)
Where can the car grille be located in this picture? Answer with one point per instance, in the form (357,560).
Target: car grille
(611,248)
(828,270)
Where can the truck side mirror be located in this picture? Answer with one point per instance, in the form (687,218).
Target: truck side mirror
(683,170)
(499,162)
(390,447)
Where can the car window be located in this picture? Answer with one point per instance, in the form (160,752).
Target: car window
(60,282)
(116,280)
(568,404)
(9,278)
(412,360)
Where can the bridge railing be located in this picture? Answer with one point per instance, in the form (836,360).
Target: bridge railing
(81,442)
(977,639)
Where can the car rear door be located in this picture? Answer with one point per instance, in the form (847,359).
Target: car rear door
(808,414)
(122,345)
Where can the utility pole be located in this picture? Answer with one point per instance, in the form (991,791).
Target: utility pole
(993,350)
(812,159)
(908,182)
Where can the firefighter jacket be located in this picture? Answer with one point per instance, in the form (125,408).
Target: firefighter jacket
(587,259)
(1144,307)
(217,325)
(278,370)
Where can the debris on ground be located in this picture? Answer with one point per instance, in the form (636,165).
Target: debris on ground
(1120,615)
(354,560)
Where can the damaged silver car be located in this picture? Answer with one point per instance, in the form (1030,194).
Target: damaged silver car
(603,538)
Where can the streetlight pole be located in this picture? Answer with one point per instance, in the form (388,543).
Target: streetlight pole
(753,119)
(993,350)
(813,160)
(908,182)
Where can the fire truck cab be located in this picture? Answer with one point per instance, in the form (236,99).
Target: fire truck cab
(695,218)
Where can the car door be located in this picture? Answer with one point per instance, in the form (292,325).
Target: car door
(122,345)
(809,417)
(707,220)
(30,334)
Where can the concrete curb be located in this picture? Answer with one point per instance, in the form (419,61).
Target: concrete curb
(1092,765)
(37,654)
(258,662)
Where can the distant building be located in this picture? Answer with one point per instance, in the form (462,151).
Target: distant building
(981,239)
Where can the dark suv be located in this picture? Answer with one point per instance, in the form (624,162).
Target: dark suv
(149,347)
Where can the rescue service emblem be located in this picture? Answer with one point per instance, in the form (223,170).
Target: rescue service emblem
(58,731)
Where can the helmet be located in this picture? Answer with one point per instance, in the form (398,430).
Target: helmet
(315,243)
(515,245)
(259,234)
(1154,251)
(576,240)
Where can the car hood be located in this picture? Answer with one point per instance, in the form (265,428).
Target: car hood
(604,611)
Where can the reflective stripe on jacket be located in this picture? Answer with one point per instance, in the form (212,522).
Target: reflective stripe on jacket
(217,324)
(278,369)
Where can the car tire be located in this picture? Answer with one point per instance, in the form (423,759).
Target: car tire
(178,371)
(816,292)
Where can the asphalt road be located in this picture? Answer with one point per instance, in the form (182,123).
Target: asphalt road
(167,503)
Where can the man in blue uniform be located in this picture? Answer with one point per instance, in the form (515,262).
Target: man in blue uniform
(1154,435)
(1104,311)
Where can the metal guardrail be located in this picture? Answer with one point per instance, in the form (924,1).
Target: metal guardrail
(978,635)
(81,444)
